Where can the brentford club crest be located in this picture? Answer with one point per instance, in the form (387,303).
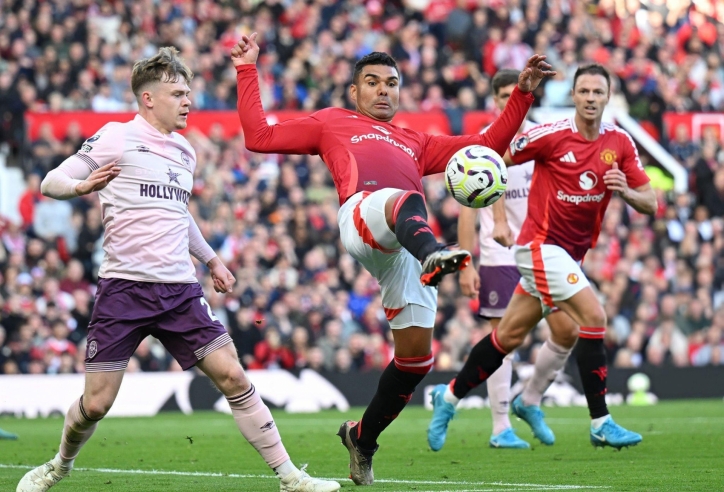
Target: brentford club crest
(92,349)
(493,298)
(185,158)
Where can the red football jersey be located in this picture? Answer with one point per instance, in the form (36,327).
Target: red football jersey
(568,197)
(364,154)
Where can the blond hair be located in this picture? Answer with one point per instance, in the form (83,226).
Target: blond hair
(164,66)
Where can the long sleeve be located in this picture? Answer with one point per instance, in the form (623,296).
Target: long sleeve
(99,150)
(438,149)
(60,183)
(296,136)
(198,246)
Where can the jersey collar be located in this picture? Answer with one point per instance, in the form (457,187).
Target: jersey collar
(141,121)
(574,128)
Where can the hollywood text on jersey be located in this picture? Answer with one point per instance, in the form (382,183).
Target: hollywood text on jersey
(373,136)
(517,193)
(165,193)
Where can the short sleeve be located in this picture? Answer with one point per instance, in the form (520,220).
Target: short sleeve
(630,162)
(528,146)
(104,147)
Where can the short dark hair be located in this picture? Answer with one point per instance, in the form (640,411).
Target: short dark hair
(504,78)
(592,69)
(374,58)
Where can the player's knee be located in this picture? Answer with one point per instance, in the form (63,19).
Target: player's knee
(566,339)
(510,337)
(596,317)
(410,199)
(232,380)
(96,408)
(565,335)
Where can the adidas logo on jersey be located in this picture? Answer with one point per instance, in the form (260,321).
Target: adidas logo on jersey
(569,157)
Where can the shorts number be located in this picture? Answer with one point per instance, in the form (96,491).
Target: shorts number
(208,309)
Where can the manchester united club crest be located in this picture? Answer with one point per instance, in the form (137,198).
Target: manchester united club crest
(572,278)
(92,349)
(608,156)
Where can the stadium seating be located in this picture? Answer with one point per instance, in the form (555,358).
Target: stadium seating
(300,300)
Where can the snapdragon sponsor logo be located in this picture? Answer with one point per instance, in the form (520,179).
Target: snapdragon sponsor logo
(578,199)
(385,138)
(588,180)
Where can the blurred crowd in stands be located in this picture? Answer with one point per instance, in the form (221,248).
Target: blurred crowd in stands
(300,301)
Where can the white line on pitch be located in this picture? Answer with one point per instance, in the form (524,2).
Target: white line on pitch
(527,486)
(469,490)
(552,420)
(552,487)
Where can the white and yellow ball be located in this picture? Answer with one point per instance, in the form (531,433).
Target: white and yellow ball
(476,176)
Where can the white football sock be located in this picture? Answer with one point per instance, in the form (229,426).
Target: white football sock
(597,423)
(499,395)
(65,465)
(77,429)
(257,425)
(449,397)
(551,359)
(285,469)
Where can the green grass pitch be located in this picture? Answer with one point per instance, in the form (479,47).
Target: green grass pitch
(683,449)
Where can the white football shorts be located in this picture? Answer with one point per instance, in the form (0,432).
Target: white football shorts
(549,273)
(367,237)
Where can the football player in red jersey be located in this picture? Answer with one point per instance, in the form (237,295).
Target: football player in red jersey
(579,163)
(500,224)
(377,169)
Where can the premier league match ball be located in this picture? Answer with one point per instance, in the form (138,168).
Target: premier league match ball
(476,176)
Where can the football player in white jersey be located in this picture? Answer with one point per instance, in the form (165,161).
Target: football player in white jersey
(494,285)
(143,172)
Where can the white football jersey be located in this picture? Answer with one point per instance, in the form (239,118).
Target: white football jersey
(145,208)
(516,208)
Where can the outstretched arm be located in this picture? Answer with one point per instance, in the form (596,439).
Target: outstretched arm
(297,136)
(439,149)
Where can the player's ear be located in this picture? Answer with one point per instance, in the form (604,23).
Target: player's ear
(353,92)
(146,99)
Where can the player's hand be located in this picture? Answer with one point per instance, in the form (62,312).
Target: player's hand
(98,179)
(502,234)
(535,70)
(222,277)
(469,281)
(246,51)
(615,180)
